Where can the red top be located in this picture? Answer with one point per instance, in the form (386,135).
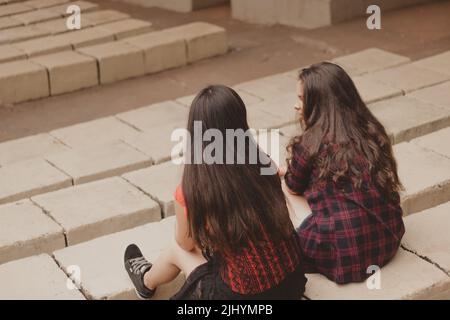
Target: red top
(257,268)
(350,228)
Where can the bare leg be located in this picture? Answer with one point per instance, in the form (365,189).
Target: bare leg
(298,207)
(170,263)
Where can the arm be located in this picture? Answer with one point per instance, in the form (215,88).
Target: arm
(182,237)
(299,170)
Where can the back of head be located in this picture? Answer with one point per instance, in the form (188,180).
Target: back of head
(228,200)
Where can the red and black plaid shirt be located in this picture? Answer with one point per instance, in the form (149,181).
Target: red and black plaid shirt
(350,228)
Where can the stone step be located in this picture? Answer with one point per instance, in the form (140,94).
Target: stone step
(113,282)
(48,282)
(177,5)
(436,142)
(27,231)
(425,176)
(95,209)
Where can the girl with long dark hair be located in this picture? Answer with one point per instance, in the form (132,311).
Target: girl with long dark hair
(344,166)
(234,238)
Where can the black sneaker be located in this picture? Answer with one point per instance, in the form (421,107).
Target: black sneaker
(136,266)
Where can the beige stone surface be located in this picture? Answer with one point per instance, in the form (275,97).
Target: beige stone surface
(95,132)
(87,37)
(34,47)
(128,28)
(99,17)
(27,231)
(407,118)
(439,63)
(437,141)
(258,119)
(58,26)
(9,22)
(409,77)
(113,282)
(438,95)
(246,97)
(22,81)
(48,282)
(85,6)
(148,118)
(162,50)
(369,61)
(21,33)
(98,208)
(14,8)
(98,162)
(9,53)
(27,178)
(255,11)
(427,235)
(69,71)
(406,277)
(39,4)
(204,40)
(372,91)
(160,182)
(36,16)
(291,130)
(425,176)
(117,60)
(269,88)
(29,147)
(156,144)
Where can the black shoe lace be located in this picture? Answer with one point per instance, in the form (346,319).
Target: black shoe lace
(138,264)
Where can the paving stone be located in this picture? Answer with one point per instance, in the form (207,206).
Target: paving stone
(248,98)
(113,282)
(36,16)
(291,130)
(369,61)
(95,132)
(34,47)
(406,277)
(85,6)
(425,176)
(22,33)
(98,208)
(269,88)
(439,63)
(27,178)
(437,141)
(69,71)
(427,235)
(204,40)
(159,182)
(39,4)
(47,283)
(9,22)
(99,17)
(29,147)
(117,61)
(407,118)
(409,77)
(98,162)
(28,231)
(128,28)
(14,8)
(438,95)
(148,118)
(162,50)
(87,37)
(58,26)
(372,91)
(8,53)
(156,144)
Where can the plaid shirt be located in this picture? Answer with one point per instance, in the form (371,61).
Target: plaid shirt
(350,228)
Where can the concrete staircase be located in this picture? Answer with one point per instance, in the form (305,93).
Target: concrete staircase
(76,196)
(40,57)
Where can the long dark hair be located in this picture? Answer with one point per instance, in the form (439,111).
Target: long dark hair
(334,112)
(228,203)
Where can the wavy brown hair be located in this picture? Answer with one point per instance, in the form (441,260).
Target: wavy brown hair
(228,203)
(334,113)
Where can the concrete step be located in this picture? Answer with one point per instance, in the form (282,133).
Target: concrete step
(113,282)
(177,5)
(48,282)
